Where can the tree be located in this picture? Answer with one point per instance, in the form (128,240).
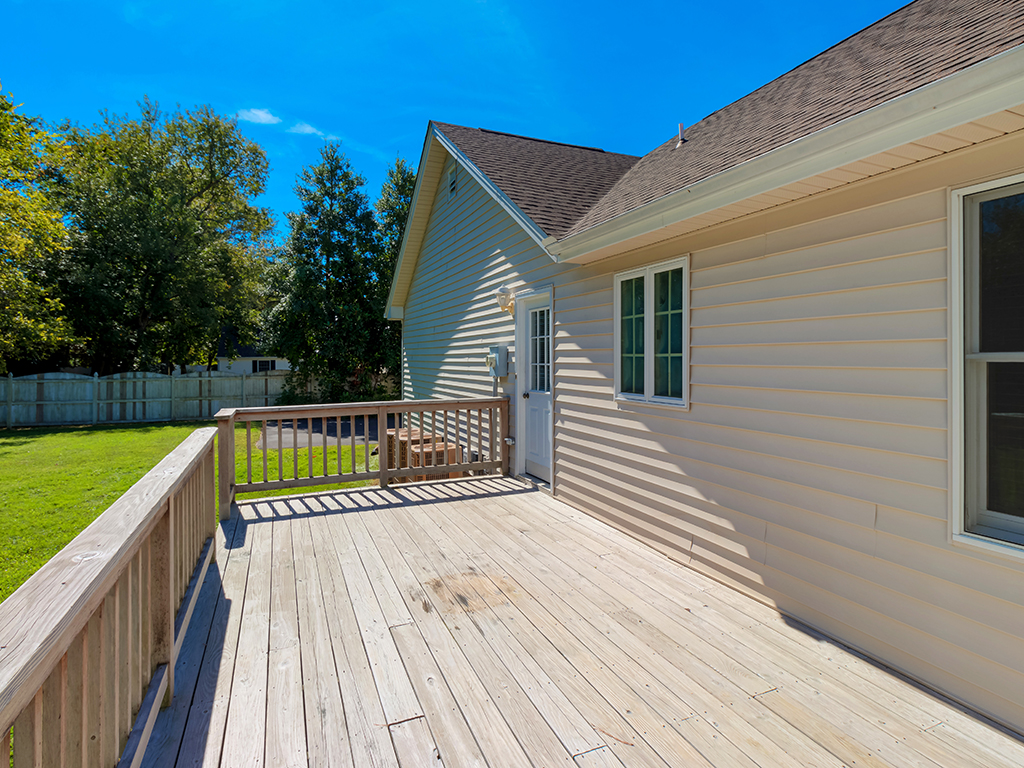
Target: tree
(164,245)
(392,210)
(323,322)
(32,325)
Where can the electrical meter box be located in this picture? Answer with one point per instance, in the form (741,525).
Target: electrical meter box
(497,362)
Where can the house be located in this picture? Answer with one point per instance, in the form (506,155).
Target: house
(247,359)
(784,347)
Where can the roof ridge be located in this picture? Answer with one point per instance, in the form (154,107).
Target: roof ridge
(543,141)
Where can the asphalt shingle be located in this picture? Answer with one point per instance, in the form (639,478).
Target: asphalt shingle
(916,45)
(552,183)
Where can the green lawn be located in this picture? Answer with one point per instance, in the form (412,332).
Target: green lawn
(54,482)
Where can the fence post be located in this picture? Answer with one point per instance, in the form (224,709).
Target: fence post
(243,389)
(95,396)
(10,400)
(226,460)
(172,394)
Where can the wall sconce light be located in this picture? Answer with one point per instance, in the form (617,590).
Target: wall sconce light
(506,300)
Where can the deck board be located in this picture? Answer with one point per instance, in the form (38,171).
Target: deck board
(480,623)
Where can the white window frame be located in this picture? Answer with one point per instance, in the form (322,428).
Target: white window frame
(968,470)
(648,273)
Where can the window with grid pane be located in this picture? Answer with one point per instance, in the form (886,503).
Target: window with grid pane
(652,333)
(540,350)
(631,360)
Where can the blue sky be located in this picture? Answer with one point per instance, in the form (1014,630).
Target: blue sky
(617,76)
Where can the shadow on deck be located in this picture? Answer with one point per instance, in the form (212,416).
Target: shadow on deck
(480,622)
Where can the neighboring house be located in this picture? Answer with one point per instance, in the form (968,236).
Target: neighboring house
(248,359)
(788,350)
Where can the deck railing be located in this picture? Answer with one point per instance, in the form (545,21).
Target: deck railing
(88,643)
(419,439)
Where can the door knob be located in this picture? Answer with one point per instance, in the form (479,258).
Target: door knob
(526,395)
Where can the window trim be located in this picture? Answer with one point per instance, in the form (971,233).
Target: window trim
(648,272)
(960,532)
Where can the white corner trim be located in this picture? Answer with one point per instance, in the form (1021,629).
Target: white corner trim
(401,261)
(982,89)
(525,222)
(395,313)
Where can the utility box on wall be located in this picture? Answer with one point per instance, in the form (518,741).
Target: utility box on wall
(497,362)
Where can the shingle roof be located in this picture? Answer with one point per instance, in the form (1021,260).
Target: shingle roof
(918,44)
(552,183)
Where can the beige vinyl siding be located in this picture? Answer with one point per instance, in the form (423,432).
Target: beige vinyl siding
(470,247)
(811,469)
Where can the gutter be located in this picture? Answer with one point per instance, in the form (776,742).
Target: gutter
(982,89)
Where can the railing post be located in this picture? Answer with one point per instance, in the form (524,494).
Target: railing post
(505,448)
(382,446)
(226,460)
(10,400)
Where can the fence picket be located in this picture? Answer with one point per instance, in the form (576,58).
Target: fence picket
(53,399)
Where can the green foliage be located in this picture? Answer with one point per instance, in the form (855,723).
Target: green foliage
(165,245)
(322,324)
(31,320)
(338,266)
(392,210)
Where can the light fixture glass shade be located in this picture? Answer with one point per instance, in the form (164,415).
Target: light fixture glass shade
(506,299)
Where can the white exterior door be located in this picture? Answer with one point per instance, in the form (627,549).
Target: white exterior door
(533,376)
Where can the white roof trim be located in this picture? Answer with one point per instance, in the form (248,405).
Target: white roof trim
(393,312)
(982,89)
(513,210)
(407,261)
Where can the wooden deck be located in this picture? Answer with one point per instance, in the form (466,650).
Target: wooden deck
(477,623)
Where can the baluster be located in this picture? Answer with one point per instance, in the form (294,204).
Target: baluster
(263,440)
(295,448)
(366,441)
(309,442)
(248,451)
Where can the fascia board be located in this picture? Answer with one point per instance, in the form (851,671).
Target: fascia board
(983,89)
(389,311)
(513,210)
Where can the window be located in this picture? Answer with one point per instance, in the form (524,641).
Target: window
(652,332)
(262,366)
(540,350)
(993,361)
(453,181)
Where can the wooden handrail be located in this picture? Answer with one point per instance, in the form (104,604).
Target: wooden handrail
(89,641)
(472,432)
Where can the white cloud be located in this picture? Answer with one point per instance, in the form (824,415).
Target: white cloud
(261,116)
(306,128)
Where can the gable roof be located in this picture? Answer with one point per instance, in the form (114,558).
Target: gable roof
(554,184)
(931,66)
(918,44)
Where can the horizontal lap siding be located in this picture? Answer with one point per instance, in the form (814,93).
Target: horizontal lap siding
(811,468)
(470,248)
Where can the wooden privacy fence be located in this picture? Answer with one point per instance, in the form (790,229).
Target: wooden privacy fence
(51,399)
(430,438)
(88,643)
